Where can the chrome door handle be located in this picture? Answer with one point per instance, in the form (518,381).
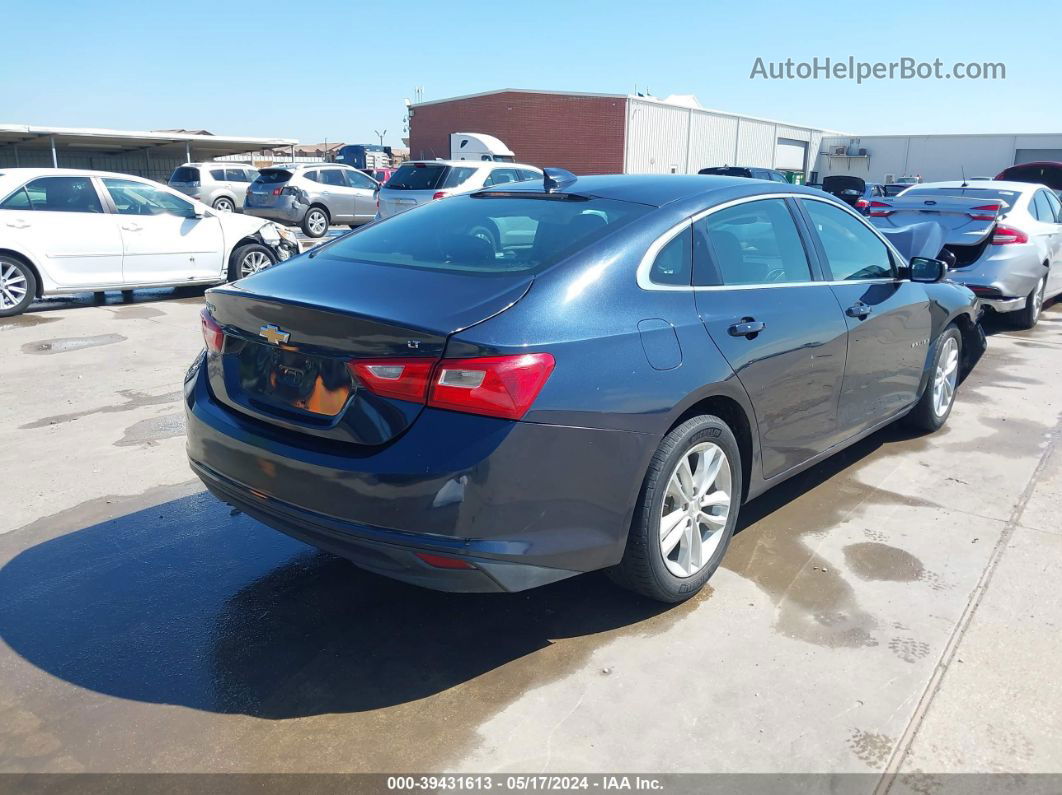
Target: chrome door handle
(131,227)
(18,223)
(747,328)
(859,310)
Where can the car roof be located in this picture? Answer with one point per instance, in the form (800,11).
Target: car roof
(227,164)
(468,163)
(31,173)
(995,184)
(654,189)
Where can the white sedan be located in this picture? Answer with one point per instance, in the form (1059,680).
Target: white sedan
(70,231)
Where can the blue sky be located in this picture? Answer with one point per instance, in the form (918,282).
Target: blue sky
(313,71)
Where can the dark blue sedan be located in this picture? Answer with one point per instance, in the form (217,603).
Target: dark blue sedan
(500,390)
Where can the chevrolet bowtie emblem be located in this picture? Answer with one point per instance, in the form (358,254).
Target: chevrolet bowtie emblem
(273,334)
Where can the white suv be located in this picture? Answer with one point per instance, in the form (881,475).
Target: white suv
(69,231)
(420,181)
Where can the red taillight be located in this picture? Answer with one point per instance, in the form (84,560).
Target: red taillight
(439,194)
(277,191)
(443,562)
(862,204)
(405,379)
(497,386)
(1005,235)
(213,336)
(986,212)
(881,209)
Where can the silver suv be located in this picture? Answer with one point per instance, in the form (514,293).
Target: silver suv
(420,181)
(218,185)
(313,195)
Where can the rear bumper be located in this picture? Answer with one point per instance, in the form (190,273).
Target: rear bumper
(1004,304)
(288,213)
(524,503)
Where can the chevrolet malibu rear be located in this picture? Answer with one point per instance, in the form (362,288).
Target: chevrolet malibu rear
(382,398)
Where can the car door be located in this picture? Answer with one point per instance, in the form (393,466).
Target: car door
(64,222)
(1054,279)
(776,323)
(363,189)
(164,239)
(888,318)
(339,197)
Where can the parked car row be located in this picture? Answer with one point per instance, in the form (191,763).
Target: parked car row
(557,375)
(68,231)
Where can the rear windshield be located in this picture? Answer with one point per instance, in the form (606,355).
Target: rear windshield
(185,174)
(1006,197)
(271,176)
(726,171)
(487,234)
(417,176)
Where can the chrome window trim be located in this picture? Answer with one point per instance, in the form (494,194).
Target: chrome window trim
(646,263)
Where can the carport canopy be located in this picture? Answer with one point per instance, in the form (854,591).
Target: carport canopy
(16,138)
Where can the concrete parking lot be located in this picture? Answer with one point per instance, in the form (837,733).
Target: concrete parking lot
(895,609)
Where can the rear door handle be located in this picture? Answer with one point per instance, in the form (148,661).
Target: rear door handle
(746,328)
(18,223)
(858,310)
(131,227)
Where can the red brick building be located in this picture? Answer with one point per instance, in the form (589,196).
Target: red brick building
(584,133)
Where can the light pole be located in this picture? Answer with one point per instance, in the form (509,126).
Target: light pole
(381,135)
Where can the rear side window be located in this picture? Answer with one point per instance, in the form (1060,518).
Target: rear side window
(853,251)
(674,264)
(185,174)
(419,176)
(1056,206)
(311,175)
(333,176)
(500,176)
(57,195)
(273,176)
(457,177)
(217,174)
(236,175)
(752,243)
(486,234)
(526,175)
(1042,208)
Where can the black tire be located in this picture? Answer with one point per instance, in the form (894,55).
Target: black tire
(238,262)
(223,204)
(1029,316)
(15,275)
(488,233)
(311,214)
(924,416)
(643,568)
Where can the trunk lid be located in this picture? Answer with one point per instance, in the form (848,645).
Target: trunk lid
(265,190)
(291,331)
(965,221)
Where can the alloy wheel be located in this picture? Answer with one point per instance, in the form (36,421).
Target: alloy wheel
(695,510)
(13,285)
(253,262)
(945,376)
(223,206)
(317,222)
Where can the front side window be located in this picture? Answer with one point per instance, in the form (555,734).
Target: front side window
(853,251)
(138,198)
(756,242)
(57,195)
(674,264)
(500,176)
(526,175)
(355,179)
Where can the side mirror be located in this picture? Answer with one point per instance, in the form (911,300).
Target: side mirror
(926,269)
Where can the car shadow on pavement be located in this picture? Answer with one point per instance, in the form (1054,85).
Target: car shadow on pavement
(185,603)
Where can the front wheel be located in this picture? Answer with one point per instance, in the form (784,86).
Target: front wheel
(18,286)
(934,407)
(686,512)
(315,222)
(248,259)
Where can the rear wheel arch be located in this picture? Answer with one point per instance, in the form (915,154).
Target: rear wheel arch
(737,418)
(7,252)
